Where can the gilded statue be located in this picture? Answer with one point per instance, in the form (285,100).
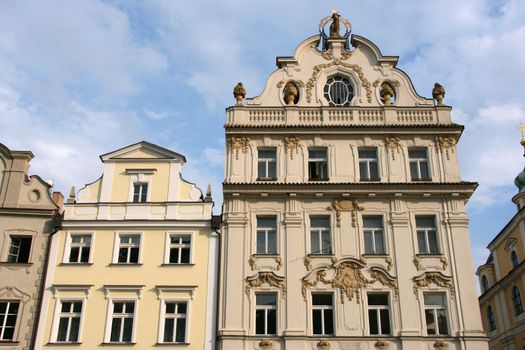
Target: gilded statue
(334,27)
(239,93)
(290,93)
(386,93)
(438,93)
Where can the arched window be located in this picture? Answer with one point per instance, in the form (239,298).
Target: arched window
(514,259)
(338,91)
(516,301)
(484,284)
(491,320)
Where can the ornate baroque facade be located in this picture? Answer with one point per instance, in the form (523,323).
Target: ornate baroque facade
(344,223)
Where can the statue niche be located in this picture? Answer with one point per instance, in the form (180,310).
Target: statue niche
(291,93)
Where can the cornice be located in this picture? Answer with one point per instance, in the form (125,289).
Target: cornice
(164,224)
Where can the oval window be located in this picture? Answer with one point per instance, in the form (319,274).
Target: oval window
(338,91)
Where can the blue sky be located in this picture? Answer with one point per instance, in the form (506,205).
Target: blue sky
(82,78)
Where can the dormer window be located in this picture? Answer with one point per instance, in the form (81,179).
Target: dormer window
(140,192)
(338,91)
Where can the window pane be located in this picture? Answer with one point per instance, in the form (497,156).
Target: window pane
(115,329)
(320,222)
(259,321)
(3,307)
(130,308)
(414,174)
(77,307)
(367,153)
(272,322)
(434,299)
(185,256)
(118,307)
(377,299)
(432,241)
(380,249)
(421,242)
(128,328)
(317,154)
(169,325)
(431,324)
(317,322)
(327,245)
(425,221)
(372,320)
(261,169)
(13,308)
(322,299)
(385,321)
(134,255)
(85,255)
(73,330)
(369,243)
(417,153)
(328,322)
(272,173)
(266,299)
(73,255)
(11,320)
(181,330)
(123,255)
(374,171)
(62,329)
(66,307)
(170,308)
(363,171)
(181,309)
(314,239)
(442,322)
(272,242)
(261,242)
(174,255)
(8,333)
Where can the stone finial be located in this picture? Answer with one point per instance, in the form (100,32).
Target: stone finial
(72,193)
(386,93)
(208,194)
(438,93)
(290,93)
(239,93)
(334,27)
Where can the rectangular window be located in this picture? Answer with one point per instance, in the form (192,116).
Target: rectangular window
(79,248)
(19,249)
(266,165)
(374,236)
(418,159)
(69,321)
(320,235)
(379,314)
(427,241)
(322,314)
(266,313)
(8,314)
(122,322)
(436,313)
(266,235)
(128,249)
(368,169)
(317,165)
(175,319)
(140,192)
(180,249)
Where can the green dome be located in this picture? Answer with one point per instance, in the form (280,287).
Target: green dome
(519,181)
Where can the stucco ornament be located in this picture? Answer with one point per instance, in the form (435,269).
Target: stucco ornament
(239,93)
(292,143)
(392,143)
(438,93)
(345,205)
(237,144)
(381,345)
(335,21)
(323,345)
(291,93)
(446,144)
(265,345)
(444,261)
(440,345)
(435,278)
(386,92)
(268,278)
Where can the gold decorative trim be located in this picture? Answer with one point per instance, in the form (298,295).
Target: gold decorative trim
(292,143)
(237,144)
(323,345)
(381,345)
(338,62)
(380,275)
(328,54)
(446,143)
(392,143)
(261,278)
(265,345)
(341,205)
(440,345)
(436,278)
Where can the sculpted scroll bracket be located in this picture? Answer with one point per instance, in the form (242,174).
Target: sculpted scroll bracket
(268,278)
(435,278)
(238,144)
(341,205)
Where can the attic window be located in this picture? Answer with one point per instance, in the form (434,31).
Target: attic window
(338,91)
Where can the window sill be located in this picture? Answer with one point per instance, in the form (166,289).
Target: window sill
(9,343)
(266,255)
(75,264)
(314,255)
(5,263)
(429,255)
(318,179)
(382,255)
(420,180)
(172,344)
(369,180)
(64,343)
(175,264)
(125,264)
(266,179)
(118,344)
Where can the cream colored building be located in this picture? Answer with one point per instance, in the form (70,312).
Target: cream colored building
(502,281)
(344,223)
(135,262)
(29,215)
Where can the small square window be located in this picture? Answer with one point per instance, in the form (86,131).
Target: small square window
(8,316)
(128,248)
(179,249)
(320,237)
(122,322)
(175,322)
(80,248)
(419,169)
(374,236)
(317,164)
(266,313)
(19,249)
(379,314)
(140,192)
(368,165)
(69,321)
(266,164)
(427,240)
(322,314)
(266,235)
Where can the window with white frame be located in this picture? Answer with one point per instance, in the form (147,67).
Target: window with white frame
(266,235)
(69,321)
(436,313)
(266,164)
(79,248)
(516,301)
(320,237)
(19,249)
(368,164)
(491,320)
(140,192)
(322,313)
(175,322)
(8,315)
(317,164)
(418,160)
(122,321)
(374,236)
(266,313)
(514,259)
(379,314)
(427,240)
(179,249)
(128,248)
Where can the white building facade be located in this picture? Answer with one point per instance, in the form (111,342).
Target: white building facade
(344,223)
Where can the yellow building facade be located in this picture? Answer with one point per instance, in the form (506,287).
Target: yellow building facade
(135,263)
(502,281)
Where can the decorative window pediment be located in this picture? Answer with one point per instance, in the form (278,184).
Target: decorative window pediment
(433,278)
(261,278)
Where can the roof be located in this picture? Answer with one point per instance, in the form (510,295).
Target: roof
(154,150)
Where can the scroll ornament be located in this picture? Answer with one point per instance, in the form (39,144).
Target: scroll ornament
(292,143)
(392,143)
(268,278)
(345,205)
(435,278)
(237,144)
